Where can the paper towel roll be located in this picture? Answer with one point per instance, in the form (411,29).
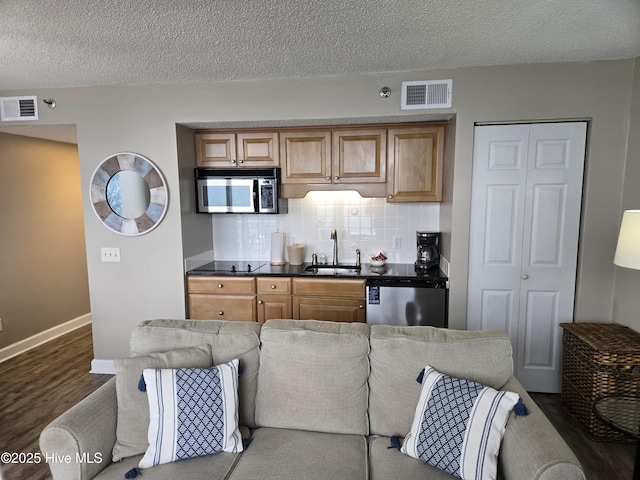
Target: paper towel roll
(277,248)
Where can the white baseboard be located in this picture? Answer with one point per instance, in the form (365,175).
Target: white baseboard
(102,366)
(43,337)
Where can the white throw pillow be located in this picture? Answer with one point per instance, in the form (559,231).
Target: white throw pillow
(133,408)
(193,412)
(458,425)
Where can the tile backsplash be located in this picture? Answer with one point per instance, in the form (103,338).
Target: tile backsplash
(370,224)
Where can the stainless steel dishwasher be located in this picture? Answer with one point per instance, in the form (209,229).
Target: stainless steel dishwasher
(407,301)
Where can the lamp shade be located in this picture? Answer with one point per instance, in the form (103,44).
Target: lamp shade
(628,250)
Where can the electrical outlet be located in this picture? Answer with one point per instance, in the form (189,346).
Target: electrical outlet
(397,242)
(110,254)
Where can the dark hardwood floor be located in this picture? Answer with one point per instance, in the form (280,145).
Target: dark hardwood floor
(36,387)
(39,385)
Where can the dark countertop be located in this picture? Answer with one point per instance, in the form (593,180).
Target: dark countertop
(388,272)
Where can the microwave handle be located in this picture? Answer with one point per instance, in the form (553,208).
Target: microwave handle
(256,196)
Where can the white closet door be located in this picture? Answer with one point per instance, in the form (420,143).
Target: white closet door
(525,220)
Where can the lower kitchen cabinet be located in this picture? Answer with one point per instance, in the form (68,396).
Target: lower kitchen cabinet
(274,298)
(222,307)
(222,298)
(263,298)
(330,300)
(329,309)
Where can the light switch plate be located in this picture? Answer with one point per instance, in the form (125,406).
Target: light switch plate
(110,254)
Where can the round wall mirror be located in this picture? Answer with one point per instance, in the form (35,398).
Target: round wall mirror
(128,194)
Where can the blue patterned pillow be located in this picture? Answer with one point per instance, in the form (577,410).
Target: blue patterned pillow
(193,412)
(458,425)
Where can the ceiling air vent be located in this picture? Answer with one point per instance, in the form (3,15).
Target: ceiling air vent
(426,94)
(18,108)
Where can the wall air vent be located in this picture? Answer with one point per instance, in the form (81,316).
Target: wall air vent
(426,94)
(18,108)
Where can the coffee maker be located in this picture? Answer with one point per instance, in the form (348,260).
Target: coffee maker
(428,249)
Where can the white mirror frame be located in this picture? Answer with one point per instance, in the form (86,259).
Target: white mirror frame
(154,180)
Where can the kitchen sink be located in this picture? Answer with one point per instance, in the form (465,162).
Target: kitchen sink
(335,270)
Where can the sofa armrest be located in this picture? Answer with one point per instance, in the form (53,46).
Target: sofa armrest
(78,444)
(532,448)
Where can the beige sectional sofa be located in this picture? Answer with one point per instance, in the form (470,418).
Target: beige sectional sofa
(319,400)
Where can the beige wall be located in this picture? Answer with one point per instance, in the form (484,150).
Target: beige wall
(43,266)
(149,281)
(626,300)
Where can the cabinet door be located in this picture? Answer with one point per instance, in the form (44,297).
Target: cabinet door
(359,156)
(216,150)
(258,149)
(306,156)
(222,307)
(329,309)
(416,159)
(274,306)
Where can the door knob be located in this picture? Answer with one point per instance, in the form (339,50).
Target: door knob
(525,276)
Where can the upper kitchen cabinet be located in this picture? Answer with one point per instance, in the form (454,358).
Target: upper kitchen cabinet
(345,159)
(359,156)
(306,157)
(244,149)
(416,162)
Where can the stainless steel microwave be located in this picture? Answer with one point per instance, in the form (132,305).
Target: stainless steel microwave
(239,190)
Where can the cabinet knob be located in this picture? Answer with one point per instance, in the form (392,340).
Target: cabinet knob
(389,196)
(328,177)
(260,302)
(241,161)
(233,161)
(273,287)
(220,285)
(336,177)
(525,276)
(220,313)
(361,307)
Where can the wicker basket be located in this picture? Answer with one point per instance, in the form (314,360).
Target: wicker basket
(598,359)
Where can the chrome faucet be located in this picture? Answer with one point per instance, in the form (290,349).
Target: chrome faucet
(334,237)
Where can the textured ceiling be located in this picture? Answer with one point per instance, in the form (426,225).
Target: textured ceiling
(69,43)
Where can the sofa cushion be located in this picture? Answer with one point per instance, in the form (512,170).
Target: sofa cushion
(133,407)
(211,467)
(386,463)
(313,376)
(397,353)
(193,412)
(295,454)
(228,340)
(458,425)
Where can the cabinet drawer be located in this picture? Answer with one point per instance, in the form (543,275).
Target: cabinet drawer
(329,288)
(222,285)
(222,307)
(273,285)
